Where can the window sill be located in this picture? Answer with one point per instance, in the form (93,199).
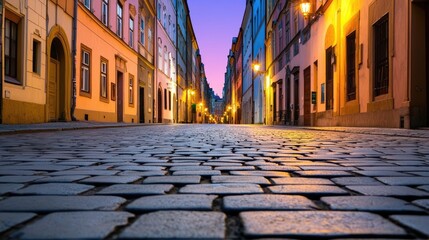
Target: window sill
(85,94)
(13,81)
(104,99)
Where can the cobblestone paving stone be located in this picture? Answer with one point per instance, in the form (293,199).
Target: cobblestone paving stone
(213,181)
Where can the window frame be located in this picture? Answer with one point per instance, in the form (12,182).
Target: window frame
(165,98)
(142,31)
(87,4)
(105,12)
(119,19)
(87,66)
(14,78)
(104,74)
(169,100)
(351,68)
(131,32)
(381,70)
(131,91)
(36,56)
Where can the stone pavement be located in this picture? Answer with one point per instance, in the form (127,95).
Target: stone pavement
(213,182)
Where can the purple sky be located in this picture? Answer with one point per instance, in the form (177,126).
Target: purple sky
(215,23)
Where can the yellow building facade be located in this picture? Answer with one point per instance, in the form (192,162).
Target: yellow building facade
(37,67)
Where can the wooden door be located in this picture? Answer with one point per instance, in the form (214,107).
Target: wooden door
(141,105)
(296,99)
(120,97)
(329,80)
(54,71)
(307,96)
(159,105)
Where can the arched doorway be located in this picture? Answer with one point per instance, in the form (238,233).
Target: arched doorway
(159,105)
(56,83)
(59,85)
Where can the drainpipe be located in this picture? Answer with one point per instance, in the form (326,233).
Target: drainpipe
(1,61)
(74,33)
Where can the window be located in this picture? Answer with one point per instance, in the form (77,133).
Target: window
(158,11)
(87,4)
(105,12)
(295,22)
(165,20)
(287,27)
(381,56)
(329,79)
(119,19)
(113,91)
(131,91)
(131,35)
(103,78)
(142,30)
(36,56)
(280,32)
(160,58)
(351,66)
(165,60)
(149,36)
(169,100)
(85,70)
(11,50)
(165,99)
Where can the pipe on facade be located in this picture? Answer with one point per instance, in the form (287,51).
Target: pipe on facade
(74,35)
(1,61)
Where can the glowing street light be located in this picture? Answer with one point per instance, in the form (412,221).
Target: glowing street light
(256,67)
(305,8)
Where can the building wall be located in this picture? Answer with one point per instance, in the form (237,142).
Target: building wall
(258,55)
(24,96)
(166,67)
(329,27)
(122,59)
(182,15)
(247,66)
(146,34)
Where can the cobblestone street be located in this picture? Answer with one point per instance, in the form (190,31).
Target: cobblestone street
(214,181)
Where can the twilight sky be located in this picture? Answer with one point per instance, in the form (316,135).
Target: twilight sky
(215,23)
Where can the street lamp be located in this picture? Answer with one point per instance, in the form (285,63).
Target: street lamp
(256,67)
(305,8)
